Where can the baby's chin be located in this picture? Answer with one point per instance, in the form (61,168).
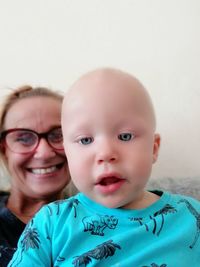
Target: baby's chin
(110,202)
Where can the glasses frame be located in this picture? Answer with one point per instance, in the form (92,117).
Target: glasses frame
(44,135)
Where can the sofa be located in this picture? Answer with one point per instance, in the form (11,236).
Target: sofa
(189,186)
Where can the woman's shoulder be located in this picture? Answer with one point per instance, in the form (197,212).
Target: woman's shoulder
(3,198)
(4,193)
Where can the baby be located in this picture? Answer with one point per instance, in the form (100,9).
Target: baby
(110,141)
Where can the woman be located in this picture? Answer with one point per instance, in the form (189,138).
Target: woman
(31,148)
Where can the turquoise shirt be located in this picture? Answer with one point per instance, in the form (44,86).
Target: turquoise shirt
(79,232)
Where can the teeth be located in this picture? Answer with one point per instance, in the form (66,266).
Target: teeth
(44,170)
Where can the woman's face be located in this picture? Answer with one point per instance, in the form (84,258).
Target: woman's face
(44,172)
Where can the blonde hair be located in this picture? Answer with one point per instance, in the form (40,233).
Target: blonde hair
(22,92)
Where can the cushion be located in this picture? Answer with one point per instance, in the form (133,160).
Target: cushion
(189,186)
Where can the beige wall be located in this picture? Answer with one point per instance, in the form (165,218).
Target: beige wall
(51,42)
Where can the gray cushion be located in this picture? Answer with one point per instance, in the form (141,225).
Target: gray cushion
(186,186)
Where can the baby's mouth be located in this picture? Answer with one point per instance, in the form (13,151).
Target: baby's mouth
(46,170)
(109,183)
(109,180)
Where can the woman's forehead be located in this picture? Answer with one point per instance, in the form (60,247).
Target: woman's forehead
(34,111)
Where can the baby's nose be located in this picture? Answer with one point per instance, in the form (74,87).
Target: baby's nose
(106,153)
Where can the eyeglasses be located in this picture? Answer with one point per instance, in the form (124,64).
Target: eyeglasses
(24,141)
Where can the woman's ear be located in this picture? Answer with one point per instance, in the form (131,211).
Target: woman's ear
(2,148)
(3,153)
(156,147)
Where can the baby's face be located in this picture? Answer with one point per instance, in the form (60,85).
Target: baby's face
(109,140)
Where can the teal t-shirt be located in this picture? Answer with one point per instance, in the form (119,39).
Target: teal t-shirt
(79,232)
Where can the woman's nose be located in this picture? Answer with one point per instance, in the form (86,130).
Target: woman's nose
(44,150)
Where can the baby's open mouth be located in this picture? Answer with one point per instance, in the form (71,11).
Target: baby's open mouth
(109,180)
(110,183)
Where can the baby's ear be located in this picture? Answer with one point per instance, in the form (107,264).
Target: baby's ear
(156,147)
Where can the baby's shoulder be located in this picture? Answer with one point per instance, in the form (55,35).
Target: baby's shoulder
(62,206)
(58,208)
(186,201)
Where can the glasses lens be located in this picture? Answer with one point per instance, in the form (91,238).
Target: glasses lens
(55,138)
(21,141)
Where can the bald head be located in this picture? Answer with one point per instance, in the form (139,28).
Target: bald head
(110,86)
(108,125)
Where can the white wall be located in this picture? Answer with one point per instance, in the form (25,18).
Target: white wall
(52,42)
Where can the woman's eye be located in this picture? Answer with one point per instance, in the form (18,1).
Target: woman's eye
(25,139)
(86,140)
(125,136)
(55,137)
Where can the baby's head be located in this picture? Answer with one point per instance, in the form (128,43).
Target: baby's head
(109,135)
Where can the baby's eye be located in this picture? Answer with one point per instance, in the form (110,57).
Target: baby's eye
(125,136)
(86,140)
